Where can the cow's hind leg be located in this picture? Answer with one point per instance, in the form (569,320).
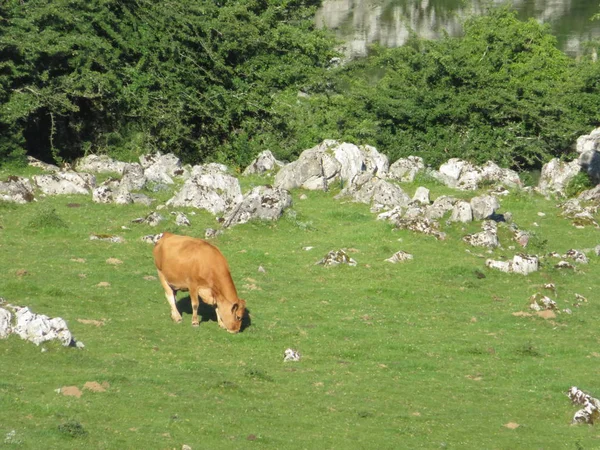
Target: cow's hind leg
(170,294)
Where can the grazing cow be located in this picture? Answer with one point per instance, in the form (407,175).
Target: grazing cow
(189,264)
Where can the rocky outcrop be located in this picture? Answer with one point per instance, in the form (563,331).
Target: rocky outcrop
(379,193)
(99,164)
(36,328)
(159,168)
(556,175)
(65,183)
(463,175)
(16,190)
(261,203)
(328,162)
(210,188)
(265,162)
(405,169)
(588,147)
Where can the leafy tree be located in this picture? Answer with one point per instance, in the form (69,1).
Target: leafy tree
(502,92)
(191,77)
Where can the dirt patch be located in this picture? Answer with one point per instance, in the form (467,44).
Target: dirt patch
(512,425)
(97,323)
(546,314)
(78,260)
(70,391)
(150,278)
(94,386)
(103,284)
(114,261)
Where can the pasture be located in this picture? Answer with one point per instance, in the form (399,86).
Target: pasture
(424,354)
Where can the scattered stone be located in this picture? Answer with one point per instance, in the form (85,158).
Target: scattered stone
(291,355)
(421,225)
(212,233)
(422,196)
(462,212)
(400,256)
(334,258)
(152,219)
(107,238)
(486,238)
(556,175)
(5,323)
(151,238)
(36,328)
(181,219)
(99,164)
(522,264)
(591,406)
(539,302)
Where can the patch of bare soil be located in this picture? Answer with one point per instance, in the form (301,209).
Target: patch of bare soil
(70,391)
(94,386)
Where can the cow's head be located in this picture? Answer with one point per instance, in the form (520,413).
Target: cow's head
(230,315)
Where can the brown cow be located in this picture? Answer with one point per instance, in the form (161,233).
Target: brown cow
(189,264)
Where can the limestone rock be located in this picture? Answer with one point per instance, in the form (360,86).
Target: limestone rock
(422,196)
(262,203)
(38,328)
(556,175)
(264,162)
(65,183)
(405,169)
(334,258)
(462,212)
(159,168)
(484,206)
(99,164)
(16,190)
(209,188)
(5,323)
(331,161)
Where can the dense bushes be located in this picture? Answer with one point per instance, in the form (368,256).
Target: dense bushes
(191,77)
(502,92)
(223,80)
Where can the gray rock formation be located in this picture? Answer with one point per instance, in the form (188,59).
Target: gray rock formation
(262,203)
(405,169)
(265,162)
(556,175)
(65,183)
(16,190)
(211,188)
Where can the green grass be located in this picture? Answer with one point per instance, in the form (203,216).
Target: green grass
(419,355)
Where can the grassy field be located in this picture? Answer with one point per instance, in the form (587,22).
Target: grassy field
(424,354)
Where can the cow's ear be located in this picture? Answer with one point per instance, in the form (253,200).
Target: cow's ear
(234,307)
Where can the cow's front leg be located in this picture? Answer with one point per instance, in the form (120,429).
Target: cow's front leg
(171,295)
(194,293)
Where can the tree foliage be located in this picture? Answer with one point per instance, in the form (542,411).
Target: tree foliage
(224,79)
(191,77)
(502,92)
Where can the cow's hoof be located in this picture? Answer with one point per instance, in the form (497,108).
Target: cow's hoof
(195,324)
(177,320)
